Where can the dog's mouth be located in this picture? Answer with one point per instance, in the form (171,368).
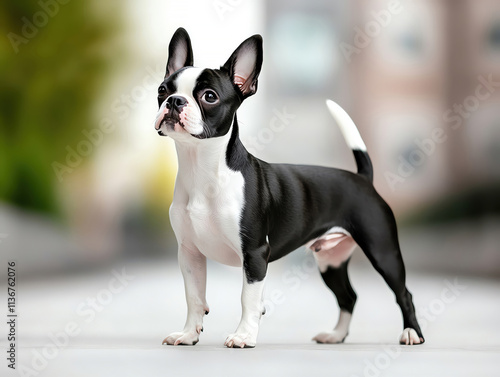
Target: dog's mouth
(175,124)
(172,123)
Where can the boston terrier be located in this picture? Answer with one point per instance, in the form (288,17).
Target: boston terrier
(241,211)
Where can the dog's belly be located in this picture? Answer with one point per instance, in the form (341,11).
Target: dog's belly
(333,248)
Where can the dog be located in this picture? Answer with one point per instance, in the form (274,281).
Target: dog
(231,207)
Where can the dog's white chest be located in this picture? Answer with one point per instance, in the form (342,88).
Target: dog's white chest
(208,202)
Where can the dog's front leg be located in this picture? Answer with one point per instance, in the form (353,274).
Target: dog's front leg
(193,265)
(254,273)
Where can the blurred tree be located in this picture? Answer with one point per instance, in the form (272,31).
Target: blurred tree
(54,61)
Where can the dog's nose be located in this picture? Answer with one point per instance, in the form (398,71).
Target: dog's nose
(176,102)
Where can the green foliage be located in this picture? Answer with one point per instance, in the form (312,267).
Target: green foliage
(48,91)
(471,204)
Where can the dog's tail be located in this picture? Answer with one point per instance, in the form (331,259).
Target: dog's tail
(352,138)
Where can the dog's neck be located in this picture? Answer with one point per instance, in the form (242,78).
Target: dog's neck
(205,160)
(236,156)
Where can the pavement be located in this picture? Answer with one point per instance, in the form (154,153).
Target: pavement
(112,322)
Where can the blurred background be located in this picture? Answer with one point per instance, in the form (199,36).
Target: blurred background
(85,180)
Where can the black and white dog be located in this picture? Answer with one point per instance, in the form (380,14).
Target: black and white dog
(241,211)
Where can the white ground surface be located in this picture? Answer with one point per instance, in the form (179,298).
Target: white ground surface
(122,336)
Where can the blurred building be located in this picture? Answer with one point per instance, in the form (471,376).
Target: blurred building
(419,78)
(407,72)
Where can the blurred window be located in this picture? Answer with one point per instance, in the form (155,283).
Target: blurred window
(303,52)
(494,37)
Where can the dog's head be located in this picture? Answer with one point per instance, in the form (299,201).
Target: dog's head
(197,103)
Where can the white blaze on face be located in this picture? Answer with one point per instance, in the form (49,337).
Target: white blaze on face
(190,116)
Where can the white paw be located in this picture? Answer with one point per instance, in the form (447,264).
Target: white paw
(410,337)
(188,338)
(330,337)
(240,340)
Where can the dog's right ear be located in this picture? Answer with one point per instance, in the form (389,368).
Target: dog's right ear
(180,52)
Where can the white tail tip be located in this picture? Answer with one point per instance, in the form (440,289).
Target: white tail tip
(347,126)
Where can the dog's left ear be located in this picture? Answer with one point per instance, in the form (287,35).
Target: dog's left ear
(244,65)
(180,52)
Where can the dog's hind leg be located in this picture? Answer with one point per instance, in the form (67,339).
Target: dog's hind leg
(382,249)
(337,279)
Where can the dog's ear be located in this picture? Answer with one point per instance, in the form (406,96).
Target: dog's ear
(180,52)
(244,65)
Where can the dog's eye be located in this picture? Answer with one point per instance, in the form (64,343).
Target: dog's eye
(162,90)
(210,97)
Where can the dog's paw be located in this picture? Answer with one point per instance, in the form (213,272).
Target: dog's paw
(330,337)
(240,340)
(410,337)
(187,338)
